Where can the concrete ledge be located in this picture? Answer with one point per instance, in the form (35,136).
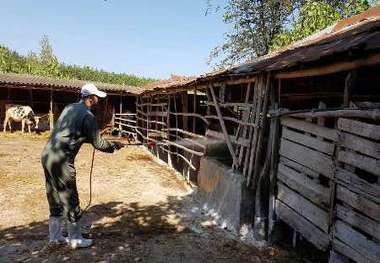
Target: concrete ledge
(223,195)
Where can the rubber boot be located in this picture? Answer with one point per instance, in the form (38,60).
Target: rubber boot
(84,229)
(76,240)
(55,235)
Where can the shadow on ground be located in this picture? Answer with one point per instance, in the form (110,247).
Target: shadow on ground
(114,224)
(135,233)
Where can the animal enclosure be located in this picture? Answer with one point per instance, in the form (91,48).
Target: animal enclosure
(301,125)
(48,97)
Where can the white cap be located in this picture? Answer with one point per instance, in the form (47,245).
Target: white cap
(90,89)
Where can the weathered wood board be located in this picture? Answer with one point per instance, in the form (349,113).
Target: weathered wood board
(299,167)
(304,207)
(357,241)
(300,224)
(359,128)
(312,142)
(363,162)
(359,221)
(315,160)
(344,249)
(357,184)
(302,184)
(364,205)
(360,144)
(311,128)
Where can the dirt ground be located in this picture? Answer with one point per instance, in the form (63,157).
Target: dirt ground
(141,211)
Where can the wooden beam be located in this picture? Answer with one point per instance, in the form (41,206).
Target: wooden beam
(367,114)
(166,142)
(349,85)
(224,129)
(185,132)
(232,104)
(190,114)
(181,156)
(120,111)
(233,120)
(246,114)
(331,68)
(194,108)
(51,111)
(185,109)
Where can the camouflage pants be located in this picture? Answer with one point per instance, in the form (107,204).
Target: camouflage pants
(61,188)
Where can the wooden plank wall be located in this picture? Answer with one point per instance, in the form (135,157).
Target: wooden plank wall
(356,233)
(305,169)
(328,186)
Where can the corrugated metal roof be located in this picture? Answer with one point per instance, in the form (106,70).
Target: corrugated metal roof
(357,33)
(38,81)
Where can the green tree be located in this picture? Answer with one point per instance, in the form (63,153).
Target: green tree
(260,26)
(317,15)
(10,61)
(33,65)
(255,24)
(48,60)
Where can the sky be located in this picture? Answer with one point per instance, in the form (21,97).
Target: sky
(150,38)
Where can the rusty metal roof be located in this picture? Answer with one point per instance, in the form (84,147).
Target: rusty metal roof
(362,36)
(357,34)
(24,80)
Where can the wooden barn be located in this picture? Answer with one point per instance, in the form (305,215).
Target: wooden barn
(293,137)
(48,96)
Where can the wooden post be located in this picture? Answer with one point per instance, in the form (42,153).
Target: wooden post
(208,100)
(121,111)
(194,108)
(253,133)
(275,128)
(261,132)
(31,98)
(349,85)
(51,112)
(252,119)
(176,126)
(224,129)
(168,132)
(279,93)
(246,116)
(222,93)
(113,118)
(148,109)
(8,96)
(185,108)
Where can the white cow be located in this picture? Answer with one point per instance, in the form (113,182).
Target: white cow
(20,113)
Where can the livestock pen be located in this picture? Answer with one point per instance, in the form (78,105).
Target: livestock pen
(292,137)
(48,96)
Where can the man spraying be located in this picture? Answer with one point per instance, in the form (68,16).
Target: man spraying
(75,126)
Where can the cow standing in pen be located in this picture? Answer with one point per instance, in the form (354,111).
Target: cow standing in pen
(20,113)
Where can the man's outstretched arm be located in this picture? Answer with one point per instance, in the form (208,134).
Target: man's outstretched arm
(93,136)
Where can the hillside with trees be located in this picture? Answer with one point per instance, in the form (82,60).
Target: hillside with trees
(45,63)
